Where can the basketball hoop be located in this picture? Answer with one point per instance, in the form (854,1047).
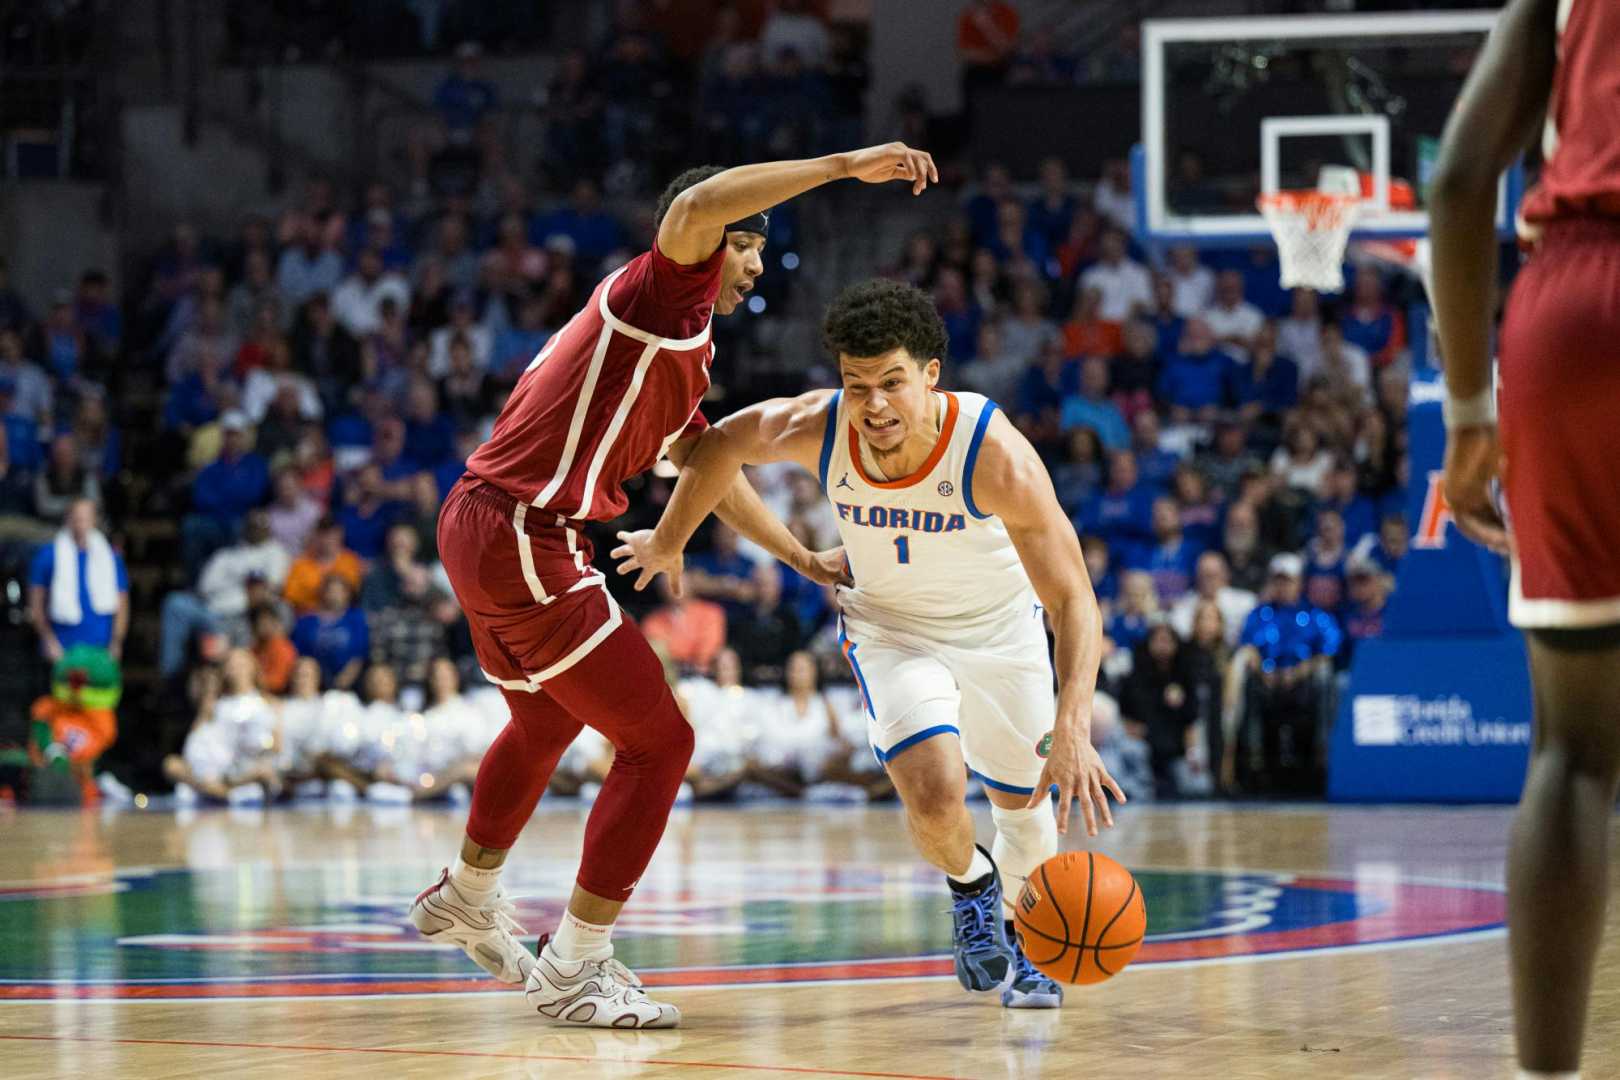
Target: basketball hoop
(1311,229)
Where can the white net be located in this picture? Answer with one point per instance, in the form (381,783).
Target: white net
(1311,229)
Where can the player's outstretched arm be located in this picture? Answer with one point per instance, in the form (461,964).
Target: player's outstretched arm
(783,429)
(696,221)
(1010,482)
(1495,118)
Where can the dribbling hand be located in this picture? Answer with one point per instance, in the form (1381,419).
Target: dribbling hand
(1473,459)
(892,161)
(641,552)
(1078,773)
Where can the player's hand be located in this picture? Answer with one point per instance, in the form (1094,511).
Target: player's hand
(892,161)
(1074,767)
(1473,459)
(828,567)
(641,552)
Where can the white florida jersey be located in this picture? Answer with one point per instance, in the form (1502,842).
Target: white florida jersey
(921,552)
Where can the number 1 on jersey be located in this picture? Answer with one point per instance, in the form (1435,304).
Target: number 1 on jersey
(902,548)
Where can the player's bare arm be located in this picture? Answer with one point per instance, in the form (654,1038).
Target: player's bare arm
(697,219)
(782,429)
(1496,117)
(1016,488)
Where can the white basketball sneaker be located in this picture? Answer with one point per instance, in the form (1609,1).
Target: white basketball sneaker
(596,993)
(486,934)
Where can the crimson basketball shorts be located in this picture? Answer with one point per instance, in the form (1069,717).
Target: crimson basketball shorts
(1560,428)
(534,603)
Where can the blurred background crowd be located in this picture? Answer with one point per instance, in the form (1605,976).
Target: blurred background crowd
(225,469)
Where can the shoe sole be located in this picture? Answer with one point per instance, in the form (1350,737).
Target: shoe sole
(1006,980)
(1034,1001)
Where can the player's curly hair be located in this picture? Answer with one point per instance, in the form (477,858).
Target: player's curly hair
(695,175)
(875,316)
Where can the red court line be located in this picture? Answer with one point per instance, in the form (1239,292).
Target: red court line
(801,1069)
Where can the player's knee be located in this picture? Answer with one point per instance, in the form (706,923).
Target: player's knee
(658,730)
(934,800)
(1570,758)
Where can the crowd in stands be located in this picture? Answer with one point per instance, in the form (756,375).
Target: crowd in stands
(1232,455)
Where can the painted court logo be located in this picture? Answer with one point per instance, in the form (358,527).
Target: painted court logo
(316,929)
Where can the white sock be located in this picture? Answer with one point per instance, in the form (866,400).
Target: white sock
(1024,839)
(475,884)
(1527,1074)
(979,867)
(577,939)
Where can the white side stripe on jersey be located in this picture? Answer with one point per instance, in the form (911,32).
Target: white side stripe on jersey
(526,556)
(622,413)
(577,424)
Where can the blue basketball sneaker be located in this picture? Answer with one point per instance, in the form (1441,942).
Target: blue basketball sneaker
(985,960)
(1030,988)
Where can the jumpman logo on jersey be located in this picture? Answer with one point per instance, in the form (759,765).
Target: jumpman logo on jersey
(843,482)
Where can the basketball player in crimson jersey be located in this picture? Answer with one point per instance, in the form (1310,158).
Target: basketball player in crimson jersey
(1559,457)
(612,392)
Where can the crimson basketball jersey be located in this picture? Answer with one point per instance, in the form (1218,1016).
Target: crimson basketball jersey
(610,391)
(1581,140)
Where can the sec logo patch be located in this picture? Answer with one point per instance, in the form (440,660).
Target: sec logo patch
(1044,747)
(945,487)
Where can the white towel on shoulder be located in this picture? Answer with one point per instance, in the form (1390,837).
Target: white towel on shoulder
(100,567)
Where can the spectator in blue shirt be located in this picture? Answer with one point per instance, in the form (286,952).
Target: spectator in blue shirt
(1196,381)
(1170,558)
(1104,581)
(1372,324)
(367,513)
(517,345)
(1168,327)
(1046,383)
(307,268)
(1136,613)
(723,574)
(238,479)
(1387,546)
(961,314)
(335,634)
(388,454)
(594,231)
(1092,408)
(1340,493)
(1285,632)
(1122,513)
(1369,589)
(1267,383)
(78,588)
(430,434)
(1288,650)
(22,432)
(983,207)
(223,492)
(1156,465)
(1325,557)
(1053,208)
(462,98)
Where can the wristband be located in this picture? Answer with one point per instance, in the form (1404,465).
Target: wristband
(1470,412)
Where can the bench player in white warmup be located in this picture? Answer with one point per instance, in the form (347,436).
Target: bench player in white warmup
(956,543)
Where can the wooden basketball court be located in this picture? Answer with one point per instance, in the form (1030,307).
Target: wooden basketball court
(1283,942)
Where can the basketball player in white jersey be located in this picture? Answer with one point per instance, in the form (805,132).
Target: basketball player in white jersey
(956,543)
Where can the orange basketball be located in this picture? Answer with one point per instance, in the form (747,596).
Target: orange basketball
(1080,917)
